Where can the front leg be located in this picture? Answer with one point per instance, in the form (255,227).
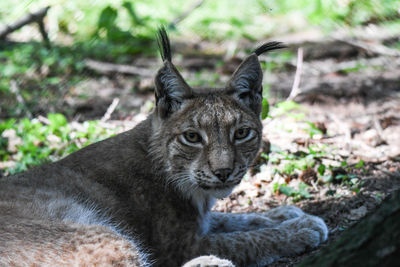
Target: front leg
(231,222)
(262,246)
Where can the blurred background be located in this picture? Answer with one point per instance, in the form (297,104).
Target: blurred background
(65,67)
(75,72)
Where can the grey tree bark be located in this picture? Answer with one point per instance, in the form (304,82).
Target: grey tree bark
(374,241)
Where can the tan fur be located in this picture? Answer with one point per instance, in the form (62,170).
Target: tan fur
(39,243)
(144,196)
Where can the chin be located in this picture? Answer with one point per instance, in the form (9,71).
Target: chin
(220,193)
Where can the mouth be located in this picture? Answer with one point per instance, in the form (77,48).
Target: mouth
(219,190)
(216,187)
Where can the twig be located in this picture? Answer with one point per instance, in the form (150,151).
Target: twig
(185,14)
(110,110)
(15,90)
(37,16)
(44,120)
(297,77)
(314,185)
(372,47)
(105,68)
(379,129)
(43,32)
(327,66)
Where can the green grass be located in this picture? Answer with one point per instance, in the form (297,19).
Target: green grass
(25,143)
(217,20)
(117,31)
(299,193)
(41,75)
(291,166)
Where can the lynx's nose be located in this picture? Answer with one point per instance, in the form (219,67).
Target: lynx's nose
(222,174)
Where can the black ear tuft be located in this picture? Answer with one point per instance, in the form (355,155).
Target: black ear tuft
(246,82)
(163,44)
(268,47)
(171,89)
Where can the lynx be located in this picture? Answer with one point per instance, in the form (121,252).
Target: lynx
(143,197)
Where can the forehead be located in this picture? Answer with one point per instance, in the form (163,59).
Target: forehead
(212,110)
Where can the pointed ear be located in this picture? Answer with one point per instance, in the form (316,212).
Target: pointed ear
(246,82)
(171,89)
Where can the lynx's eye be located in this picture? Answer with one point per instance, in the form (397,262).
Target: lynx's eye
(192,137)
(242,133)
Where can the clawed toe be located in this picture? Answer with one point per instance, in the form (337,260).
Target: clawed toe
(306,231)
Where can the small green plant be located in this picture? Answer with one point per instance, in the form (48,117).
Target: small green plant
(38,74)
(136,38)
(312,129)
(285,107)
(27,143)
(358,67)
(265,108)
(290,163)
(298,194)
(359,164)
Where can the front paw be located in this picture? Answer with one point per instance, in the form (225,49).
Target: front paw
(283,213)
(304,232)
(208,261)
